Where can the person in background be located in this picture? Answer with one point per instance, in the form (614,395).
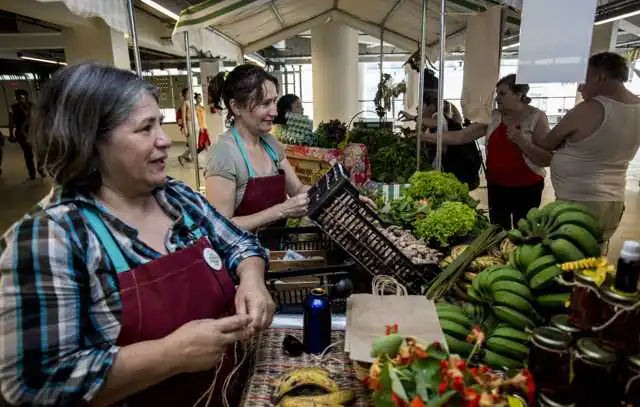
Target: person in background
(185,127)
(291,126)
(203,134)
(248,178)
(19,130)
(515,165)
(595,142)
(1,150)
(120,286)
(464,160)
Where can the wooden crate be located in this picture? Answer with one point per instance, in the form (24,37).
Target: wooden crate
(316,258)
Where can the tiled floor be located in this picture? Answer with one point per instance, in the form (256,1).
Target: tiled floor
(18,194)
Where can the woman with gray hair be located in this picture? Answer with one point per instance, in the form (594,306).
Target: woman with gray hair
(120,286)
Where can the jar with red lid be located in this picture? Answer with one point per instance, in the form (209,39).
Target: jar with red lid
(594,379)
(550,363)
(631,380)
(584,310)
(620,327)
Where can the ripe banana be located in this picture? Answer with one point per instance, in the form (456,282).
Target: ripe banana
(510,333)
(509,348)
(306,377)
(331,399)
(514,301)
(512,317)
(506,248)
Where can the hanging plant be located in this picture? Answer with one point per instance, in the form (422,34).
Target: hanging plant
(387,93)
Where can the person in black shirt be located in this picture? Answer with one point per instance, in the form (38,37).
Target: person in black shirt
(19,130)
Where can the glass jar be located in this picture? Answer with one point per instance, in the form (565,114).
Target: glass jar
(631,380)
(545,401)
(594,380)
(562,323)
(550,362)
(584,310)
(621,334)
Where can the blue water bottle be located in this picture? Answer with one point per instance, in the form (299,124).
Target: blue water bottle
(317,321)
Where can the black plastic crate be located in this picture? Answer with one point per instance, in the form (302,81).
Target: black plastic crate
(336,208)
(289,297)
(302,238)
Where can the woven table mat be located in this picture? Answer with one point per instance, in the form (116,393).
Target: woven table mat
(271,363)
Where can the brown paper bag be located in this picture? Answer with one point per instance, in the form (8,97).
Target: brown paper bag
(368,315)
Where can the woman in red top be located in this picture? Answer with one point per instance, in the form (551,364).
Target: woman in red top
(515,166)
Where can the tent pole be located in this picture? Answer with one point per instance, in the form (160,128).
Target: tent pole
(134,37)
(192,129)
(423,63)
(442,57)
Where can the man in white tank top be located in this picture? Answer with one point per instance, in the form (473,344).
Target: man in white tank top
(595,141)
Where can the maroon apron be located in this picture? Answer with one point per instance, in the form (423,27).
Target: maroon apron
(162,295)
(261,192)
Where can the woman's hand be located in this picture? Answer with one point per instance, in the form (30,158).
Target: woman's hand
(514,133)
(368,201)
(199,345)
(253,299)
(406,116)
(295,207)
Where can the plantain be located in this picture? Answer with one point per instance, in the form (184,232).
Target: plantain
(500,362)
(305,377)
(514,301)
(336,398)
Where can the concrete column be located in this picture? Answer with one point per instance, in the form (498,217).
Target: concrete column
(362,74)
(603,39)
(215,121)
(97,42)
(412,96)
(334,59)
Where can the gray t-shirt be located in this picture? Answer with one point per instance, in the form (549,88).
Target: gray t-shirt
(226,161)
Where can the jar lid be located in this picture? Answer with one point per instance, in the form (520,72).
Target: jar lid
(561,322)
(583,278)
(549,337)
(545,401)
(618,297)
(634,361)
(593,353)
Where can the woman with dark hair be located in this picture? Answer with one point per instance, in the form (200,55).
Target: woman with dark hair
(120,286)
(291,126)
(515,166)
(248,177)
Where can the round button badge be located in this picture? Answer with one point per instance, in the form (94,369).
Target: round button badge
(212,259)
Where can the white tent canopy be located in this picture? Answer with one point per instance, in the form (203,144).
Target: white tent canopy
(257,24)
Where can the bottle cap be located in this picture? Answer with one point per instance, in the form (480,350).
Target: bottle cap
(630,250)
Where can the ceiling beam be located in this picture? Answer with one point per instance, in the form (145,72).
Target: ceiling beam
(629,28)
(391,12)
(20,41)
(275,11)
(390,36)
(288,32)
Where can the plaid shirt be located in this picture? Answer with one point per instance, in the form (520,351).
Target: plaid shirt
(59,298)
(298,130)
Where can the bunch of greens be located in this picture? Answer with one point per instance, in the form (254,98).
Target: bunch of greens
(438,188)
(404,211)
(332,134)
(442,226)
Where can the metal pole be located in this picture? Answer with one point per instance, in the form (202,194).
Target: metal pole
(192,129)
(423,63)
(381,63)
(134,37)
(443,55)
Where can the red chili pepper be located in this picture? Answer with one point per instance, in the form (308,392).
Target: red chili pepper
(458,384)
(443,387)
(444,364)
(421,354)
(417,402)
(397,401)
(437,345)
(474,371)
(461,364)
(484,369)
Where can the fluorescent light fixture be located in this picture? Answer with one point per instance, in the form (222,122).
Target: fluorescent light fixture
(48,61)
(161,9)
(514,45)
(616,18)
(255,60)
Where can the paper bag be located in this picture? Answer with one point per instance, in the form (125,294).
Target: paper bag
(368,315)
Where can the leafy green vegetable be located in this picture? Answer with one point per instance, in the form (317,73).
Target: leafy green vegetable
(438,187)
(452,219)
(404,211)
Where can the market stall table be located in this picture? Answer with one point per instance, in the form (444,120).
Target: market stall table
(271,363)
